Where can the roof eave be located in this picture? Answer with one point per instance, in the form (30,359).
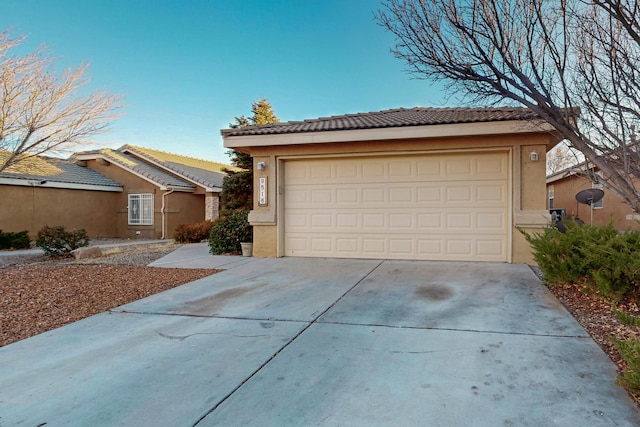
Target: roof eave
(390,133)
(165,167)
(57,184)
(161,186)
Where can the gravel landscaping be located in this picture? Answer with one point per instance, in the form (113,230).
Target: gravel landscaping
(38,294)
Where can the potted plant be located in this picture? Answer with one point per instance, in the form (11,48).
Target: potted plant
(245,236)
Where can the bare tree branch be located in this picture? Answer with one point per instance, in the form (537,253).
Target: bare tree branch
(41,112)
(555,57)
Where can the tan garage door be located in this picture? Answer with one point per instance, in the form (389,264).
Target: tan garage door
(423,207)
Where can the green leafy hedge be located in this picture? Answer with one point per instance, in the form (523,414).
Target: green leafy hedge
(56,241)
(600,258)
(228,231)
(15,240)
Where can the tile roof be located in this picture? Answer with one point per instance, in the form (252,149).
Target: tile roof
(399,117)
(140,167)
(204,172)
(55,170)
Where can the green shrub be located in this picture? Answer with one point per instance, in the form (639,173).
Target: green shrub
(15,240)
(56,241)
(193,233)
(630,351)
(229,231)
(600,258)
(559,255)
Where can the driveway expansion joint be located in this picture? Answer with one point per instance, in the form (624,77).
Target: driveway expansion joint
(480,331)
(287,344)
(212,316)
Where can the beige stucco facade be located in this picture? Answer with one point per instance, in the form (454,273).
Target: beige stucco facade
(32,207)
(171,208)
(524,151)
(101,210)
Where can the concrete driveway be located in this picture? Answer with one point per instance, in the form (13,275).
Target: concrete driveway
(290,341)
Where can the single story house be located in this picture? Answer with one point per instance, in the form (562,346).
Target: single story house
(562,188)
(41,191)
(418,184)
(131,192)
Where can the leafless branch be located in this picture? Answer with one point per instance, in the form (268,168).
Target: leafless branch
(554,57)
(41,112)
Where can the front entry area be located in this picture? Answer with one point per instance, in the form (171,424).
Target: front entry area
(444,206)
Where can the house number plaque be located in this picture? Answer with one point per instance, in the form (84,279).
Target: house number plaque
(262,191)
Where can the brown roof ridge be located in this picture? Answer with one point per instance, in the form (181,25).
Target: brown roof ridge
(144,151)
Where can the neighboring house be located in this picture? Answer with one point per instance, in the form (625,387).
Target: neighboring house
(161,190)
(41,191)
(131,192)
(420,183)
(562,188)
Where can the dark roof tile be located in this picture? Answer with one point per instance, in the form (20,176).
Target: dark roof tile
(56,170)
(399,117)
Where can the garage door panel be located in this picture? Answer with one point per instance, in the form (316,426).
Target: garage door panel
(322,220)
(493,193)
(460,247)
(406,207)
(401,246)
(345,170)
(401,168)
(436,247)
(491,166)
(459,168)
(431,168)
(430,194)
(458,220)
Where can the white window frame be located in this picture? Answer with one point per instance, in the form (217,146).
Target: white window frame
(600,203)
(140,207)
(550,196)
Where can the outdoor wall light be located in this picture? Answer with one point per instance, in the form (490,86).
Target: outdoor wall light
(261,166)
(534,156)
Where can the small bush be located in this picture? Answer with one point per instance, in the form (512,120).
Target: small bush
(56,241)
(15,240)
(229,231)
(193,233)
(600,258)
(630,351)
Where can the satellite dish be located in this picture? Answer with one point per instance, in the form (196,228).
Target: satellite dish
(589,196)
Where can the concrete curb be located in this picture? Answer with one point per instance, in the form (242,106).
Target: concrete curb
(92,251)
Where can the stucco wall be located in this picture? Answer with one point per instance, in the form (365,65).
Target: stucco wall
(613,208)
(182,208)
(528,179)
(31,208)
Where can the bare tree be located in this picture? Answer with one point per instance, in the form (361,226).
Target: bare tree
(573,62)
(41,112)
(561,157)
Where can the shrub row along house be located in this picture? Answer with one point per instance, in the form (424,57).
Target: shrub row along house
(131,192)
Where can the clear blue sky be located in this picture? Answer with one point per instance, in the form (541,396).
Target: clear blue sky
(187,68)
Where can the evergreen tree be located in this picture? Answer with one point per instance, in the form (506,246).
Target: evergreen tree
(237,187)
(263,113)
